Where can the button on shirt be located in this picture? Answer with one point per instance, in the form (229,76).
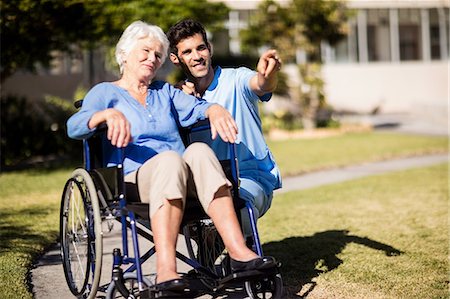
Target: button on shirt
(154,128)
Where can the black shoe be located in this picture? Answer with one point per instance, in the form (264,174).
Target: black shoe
(174,285)
(259,263)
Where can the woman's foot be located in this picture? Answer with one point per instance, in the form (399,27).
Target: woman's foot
(174,285)
(164,276)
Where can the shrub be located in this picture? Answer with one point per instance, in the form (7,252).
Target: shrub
(31,129)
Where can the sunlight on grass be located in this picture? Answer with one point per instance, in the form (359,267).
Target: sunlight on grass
(302,155)
(322,226)
(378,237)
(29,211)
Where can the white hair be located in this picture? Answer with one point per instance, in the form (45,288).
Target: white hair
(135,31)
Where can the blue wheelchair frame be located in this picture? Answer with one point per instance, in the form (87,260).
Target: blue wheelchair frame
(123,212)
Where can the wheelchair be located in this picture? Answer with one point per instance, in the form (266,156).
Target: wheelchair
(95,198)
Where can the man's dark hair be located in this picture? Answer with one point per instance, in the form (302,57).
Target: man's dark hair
(184,29)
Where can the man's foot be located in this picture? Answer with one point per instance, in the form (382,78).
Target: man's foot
(259,263)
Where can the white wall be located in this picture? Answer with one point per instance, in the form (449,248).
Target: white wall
(393,87)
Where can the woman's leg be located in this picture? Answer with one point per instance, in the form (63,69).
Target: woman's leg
(162,183)
(222,212)
(165,227)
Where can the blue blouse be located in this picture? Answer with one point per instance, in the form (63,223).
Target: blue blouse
(154,128)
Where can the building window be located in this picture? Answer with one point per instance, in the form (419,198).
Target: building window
(409,34)
(447,22)
(378,38)
(346,50)
(435,45)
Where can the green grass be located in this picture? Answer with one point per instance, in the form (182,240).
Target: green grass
(297,156)
(29,211)
(29,200)
(378,237)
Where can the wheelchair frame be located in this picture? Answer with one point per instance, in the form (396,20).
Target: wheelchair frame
(103,200)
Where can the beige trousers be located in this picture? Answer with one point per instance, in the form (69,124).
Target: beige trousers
(170,176)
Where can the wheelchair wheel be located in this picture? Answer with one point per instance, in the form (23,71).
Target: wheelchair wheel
(132,286)
(270,287)
(209,251)
(81,235)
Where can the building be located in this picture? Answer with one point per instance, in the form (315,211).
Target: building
(394,60)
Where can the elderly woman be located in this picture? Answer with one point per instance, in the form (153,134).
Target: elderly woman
(142,116)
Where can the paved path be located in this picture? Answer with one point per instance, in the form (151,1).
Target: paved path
(324,177)
(48,277)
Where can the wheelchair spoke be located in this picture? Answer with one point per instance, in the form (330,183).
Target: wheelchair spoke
(78,257)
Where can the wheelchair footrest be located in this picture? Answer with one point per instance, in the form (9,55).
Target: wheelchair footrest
(249,275)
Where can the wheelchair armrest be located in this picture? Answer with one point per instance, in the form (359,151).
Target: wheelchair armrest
(78,103)
(200,125)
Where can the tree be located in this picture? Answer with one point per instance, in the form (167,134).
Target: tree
(319,21)
(305,25)
(32,29)
(270,26)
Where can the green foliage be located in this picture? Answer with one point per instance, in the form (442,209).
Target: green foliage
(318,21)
(31,29)
(312,96)
(270,26)
(34,128)
(283,120)
(300,24)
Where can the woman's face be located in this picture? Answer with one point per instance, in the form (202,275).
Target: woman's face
(144,59)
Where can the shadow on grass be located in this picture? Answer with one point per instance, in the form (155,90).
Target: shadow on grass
(16,233)
(304,258)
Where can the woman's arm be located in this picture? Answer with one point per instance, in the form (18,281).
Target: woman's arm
(95,111)
(119,132)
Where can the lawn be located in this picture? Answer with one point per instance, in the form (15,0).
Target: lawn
(29,215)
(29,201)
(295,156)
(378,237)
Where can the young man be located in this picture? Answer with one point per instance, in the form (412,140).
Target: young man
(238,90)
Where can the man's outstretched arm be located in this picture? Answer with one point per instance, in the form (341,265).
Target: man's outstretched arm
(266,78)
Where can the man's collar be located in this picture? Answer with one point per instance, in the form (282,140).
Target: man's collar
(215,81)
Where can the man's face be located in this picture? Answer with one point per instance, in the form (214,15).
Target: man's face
(194,56)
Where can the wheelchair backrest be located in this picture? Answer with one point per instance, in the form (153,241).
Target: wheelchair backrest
(109,179)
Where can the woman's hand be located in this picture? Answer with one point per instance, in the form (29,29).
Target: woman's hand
(119,132)
(222,123)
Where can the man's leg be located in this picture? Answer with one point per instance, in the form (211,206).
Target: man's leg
(253,193)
